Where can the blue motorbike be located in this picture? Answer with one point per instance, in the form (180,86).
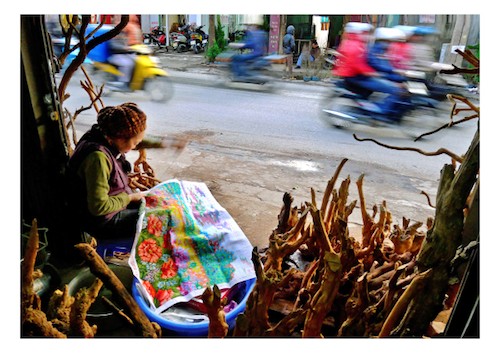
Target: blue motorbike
(347,105)
(256,70)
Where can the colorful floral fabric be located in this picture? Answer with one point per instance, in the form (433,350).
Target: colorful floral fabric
(185,242)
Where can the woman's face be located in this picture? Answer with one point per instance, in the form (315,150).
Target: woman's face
(125,145)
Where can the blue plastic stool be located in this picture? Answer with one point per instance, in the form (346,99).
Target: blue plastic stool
(109,246)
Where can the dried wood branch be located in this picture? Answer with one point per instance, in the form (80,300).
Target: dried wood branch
(354,324)
(94,94)
(101,270)
(85,47)
(447,125)
(401,305)
(366,230)
(117,310)
(460,70)
(256,315)
(285,214)
(286,326)
(59,309)
(33,320)
(436,153)
(35,324)
(428,199)
(306,283)
(454,111)
(330,185)
(471,58)
(283,245)
(322,300)
(28,295)
(217,327)
(83,300)
(392,289)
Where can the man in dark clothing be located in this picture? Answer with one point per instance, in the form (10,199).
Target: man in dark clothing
(289,49)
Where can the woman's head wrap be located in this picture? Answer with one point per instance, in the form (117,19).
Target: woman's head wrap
(122,121)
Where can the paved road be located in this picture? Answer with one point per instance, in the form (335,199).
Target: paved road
(251,147)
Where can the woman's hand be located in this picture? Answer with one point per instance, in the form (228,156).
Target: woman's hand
(136,196)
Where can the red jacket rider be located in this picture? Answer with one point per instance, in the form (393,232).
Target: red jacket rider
(352,61)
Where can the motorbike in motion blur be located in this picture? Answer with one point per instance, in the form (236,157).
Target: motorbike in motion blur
(257,75)
(147,76)
(347,105)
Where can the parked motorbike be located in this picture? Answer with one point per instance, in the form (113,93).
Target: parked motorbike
(346,106)
(199,40)
(179,39)
(157,37)
(330,58)
(147,76)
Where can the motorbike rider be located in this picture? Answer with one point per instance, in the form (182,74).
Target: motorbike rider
(379,59)
(122,55)
(400,51)
(255,45)
(421,59)
(353,67)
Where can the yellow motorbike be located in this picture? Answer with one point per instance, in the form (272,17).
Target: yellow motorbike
(147,76)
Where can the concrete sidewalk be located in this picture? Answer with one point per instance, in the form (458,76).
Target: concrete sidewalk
(196,67)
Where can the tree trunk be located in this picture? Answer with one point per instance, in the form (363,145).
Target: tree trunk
(282,32)
(211,30)
(442,242)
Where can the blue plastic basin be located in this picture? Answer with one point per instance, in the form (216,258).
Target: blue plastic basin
(190,329)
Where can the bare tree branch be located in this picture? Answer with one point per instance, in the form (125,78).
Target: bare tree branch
(428,199)
(86,47)
(447,125)
(436,153)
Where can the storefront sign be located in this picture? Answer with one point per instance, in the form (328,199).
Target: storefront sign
(274,33)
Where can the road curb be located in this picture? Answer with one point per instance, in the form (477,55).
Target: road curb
(194,75)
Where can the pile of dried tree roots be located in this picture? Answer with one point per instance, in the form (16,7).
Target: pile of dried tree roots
(65,315)
(394,282)
(348,288)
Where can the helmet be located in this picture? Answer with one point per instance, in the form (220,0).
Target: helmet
(357,27)
(408,30)
(390,34)
(424,31)
(290,29)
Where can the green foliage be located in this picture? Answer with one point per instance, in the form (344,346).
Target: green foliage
(219,34)
(212,52)
(474,79)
